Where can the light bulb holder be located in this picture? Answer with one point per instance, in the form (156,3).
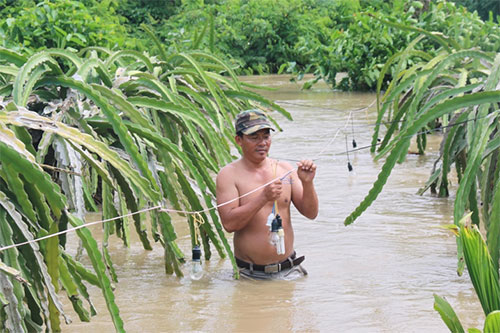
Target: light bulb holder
(274,225)
(196,253)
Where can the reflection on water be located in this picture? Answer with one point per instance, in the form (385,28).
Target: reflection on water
(377,275)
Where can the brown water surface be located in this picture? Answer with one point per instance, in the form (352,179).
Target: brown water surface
(377,275)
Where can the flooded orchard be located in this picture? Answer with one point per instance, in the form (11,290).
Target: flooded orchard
(376,275)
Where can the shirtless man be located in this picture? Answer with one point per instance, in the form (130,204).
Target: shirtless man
(247,217)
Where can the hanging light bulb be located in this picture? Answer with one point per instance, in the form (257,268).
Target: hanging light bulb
(196,269)
(277,235)
(280,246)
(273,236)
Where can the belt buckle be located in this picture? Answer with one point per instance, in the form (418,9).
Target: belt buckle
(273,268)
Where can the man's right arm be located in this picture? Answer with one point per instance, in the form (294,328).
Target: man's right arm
(234,216)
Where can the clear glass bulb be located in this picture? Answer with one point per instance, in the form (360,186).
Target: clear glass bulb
(196,270)
(281,247)
(274,239)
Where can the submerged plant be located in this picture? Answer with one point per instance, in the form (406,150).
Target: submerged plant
(454,92)
(484,277)
(122,130)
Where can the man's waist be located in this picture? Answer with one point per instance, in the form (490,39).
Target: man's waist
(289,262)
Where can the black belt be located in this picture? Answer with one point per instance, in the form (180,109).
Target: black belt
(272,268)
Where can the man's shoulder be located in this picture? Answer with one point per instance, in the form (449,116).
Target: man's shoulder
(228,169)
(285,165)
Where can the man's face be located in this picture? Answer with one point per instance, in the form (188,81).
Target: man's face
(255,145)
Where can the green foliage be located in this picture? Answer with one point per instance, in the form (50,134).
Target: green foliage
(121,129)
(454,90)
(440,84)
(139,12)
(463,26)
(483,274)
(485,8)
(448,314)
(484,277)
(62,23)
(268,36)
(363,47)
(450,88)
(360,51)
(263,34)
(492,322)
(323,37)
(259,36)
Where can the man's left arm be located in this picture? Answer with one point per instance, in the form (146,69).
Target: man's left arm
(304,195)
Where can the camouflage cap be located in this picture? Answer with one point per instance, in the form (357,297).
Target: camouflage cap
(251,121)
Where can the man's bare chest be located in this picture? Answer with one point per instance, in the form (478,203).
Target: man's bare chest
(251,186)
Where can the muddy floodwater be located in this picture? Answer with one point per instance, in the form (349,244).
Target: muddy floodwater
(376,275)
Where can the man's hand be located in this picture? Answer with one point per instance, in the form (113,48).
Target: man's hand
(306,170)
(273,191)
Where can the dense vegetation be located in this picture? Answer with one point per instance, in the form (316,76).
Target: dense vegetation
(456,91)
(323,37)
(87,128)
(267,36)
(96,112)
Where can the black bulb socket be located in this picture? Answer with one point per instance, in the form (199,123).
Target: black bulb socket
(274,225)
(196,253)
